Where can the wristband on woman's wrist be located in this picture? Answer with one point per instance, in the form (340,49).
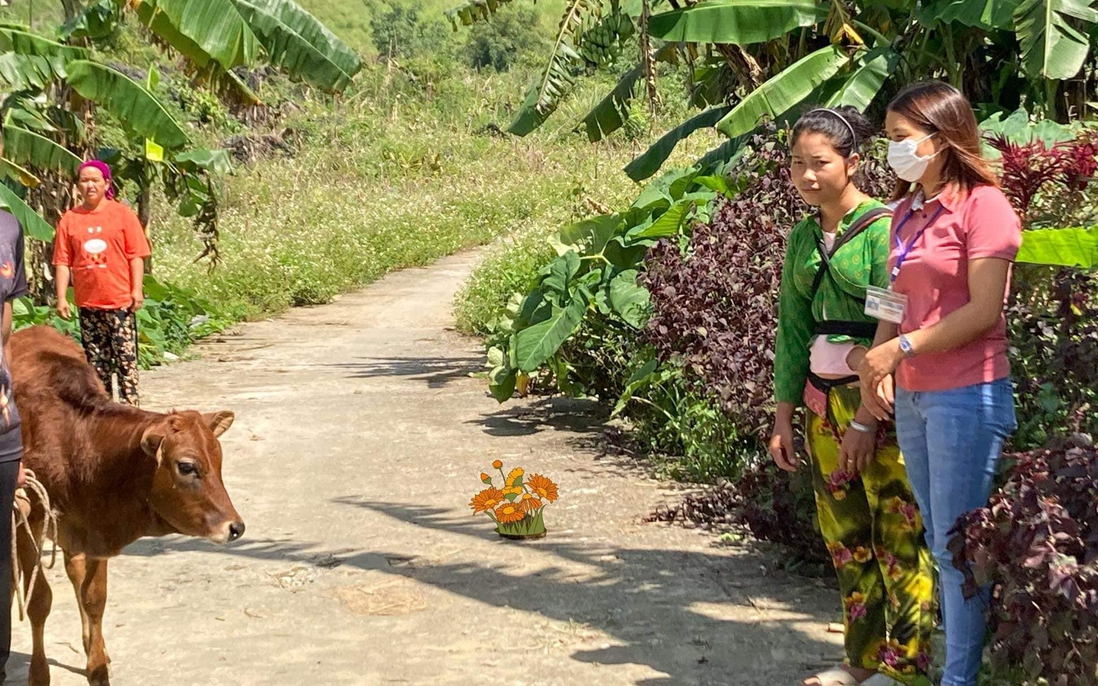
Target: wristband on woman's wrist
(861,428)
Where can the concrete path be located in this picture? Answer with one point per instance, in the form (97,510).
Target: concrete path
(357,445)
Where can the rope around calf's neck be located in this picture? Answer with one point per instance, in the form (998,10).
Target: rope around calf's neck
(19,518)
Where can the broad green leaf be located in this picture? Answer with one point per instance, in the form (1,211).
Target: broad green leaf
(299,43)
(739,22)
(1060,247)
(984,14)
(668,223)
(865,83)
(24,42)
(127,100)
(784,91)
(590,235)
(501,383)
(97,20)
(536,344)
(19,174)
(637,381)
(216,161)
(650,162)
(561,272)
(612,111)
(27,147)
(26,73)
(33,225)
(555,80)
(201,30)
(629,300)
(1053,36)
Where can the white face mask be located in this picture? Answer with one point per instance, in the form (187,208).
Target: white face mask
(905,162)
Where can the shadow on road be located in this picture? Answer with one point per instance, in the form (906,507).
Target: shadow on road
(575,415)
(700,618)
(436,372)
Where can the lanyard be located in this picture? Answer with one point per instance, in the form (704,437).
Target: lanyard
(905,249)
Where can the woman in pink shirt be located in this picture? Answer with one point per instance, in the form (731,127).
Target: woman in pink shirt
(942,333)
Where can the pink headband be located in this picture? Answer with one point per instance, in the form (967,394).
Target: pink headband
(105,169)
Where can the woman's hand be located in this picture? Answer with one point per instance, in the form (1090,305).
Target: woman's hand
(878,365)
(858,447)
(781,446)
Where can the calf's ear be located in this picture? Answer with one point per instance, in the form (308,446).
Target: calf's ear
(219,422)
(151,440)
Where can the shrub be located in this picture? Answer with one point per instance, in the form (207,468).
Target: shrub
(714,298)
(1037,542)
(399,33)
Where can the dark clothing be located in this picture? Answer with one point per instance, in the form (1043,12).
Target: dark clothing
(13,284)
(9,473)
(110,344)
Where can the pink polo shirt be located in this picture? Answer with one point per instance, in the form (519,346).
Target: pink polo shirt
(934,277)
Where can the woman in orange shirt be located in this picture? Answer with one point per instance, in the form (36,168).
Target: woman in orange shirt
(100,247)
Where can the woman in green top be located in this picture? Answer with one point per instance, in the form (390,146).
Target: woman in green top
(866,510)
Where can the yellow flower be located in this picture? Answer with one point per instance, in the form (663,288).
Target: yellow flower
(509,512)
(529,503)
(487,499)
(514,475)
(497,465)
(543,487)
(862,555)
(512,490)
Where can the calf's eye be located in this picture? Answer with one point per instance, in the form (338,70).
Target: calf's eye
(187,469)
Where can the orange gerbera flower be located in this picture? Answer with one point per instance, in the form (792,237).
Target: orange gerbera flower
(514,475)
(542,487)
(529,503)
(497,465)
(487,499)
(509,512)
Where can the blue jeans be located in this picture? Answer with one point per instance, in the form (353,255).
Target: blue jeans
(951,441)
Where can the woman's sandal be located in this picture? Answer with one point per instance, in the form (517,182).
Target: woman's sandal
(836,676)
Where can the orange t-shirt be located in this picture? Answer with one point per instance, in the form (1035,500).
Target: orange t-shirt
(98,246)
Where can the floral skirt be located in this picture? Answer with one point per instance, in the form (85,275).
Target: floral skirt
(875,536)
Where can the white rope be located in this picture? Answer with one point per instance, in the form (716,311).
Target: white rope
(21,518)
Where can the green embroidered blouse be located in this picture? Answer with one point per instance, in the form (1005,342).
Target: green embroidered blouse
(861,262)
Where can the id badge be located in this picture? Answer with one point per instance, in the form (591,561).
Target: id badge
(884,304)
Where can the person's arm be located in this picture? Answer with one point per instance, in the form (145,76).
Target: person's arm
(62,268)
(5,330)
(61,277)
(137,279)
(791,359)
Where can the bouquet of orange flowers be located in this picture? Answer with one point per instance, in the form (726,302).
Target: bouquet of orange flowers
(516,509)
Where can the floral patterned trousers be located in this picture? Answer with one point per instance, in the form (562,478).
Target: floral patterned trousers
(875,536)
(110,344)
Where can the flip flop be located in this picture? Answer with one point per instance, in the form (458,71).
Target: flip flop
(836,676)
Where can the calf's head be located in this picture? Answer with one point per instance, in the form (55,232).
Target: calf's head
(187,490)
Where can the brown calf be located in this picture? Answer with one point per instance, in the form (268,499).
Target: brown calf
(114,473)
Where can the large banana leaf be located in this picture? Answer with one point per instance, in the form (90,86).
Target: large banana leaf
(25,72)
(784,91)
(27,147)
(1060,247)
(128,101)
(736,21)
(1053,36)
(23,42)
(865,83)
(472,11)
(613,110)
(984,14)
(650,162)
(545,95)
(19,174)
(296,41)
(33,225)
(201,30)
